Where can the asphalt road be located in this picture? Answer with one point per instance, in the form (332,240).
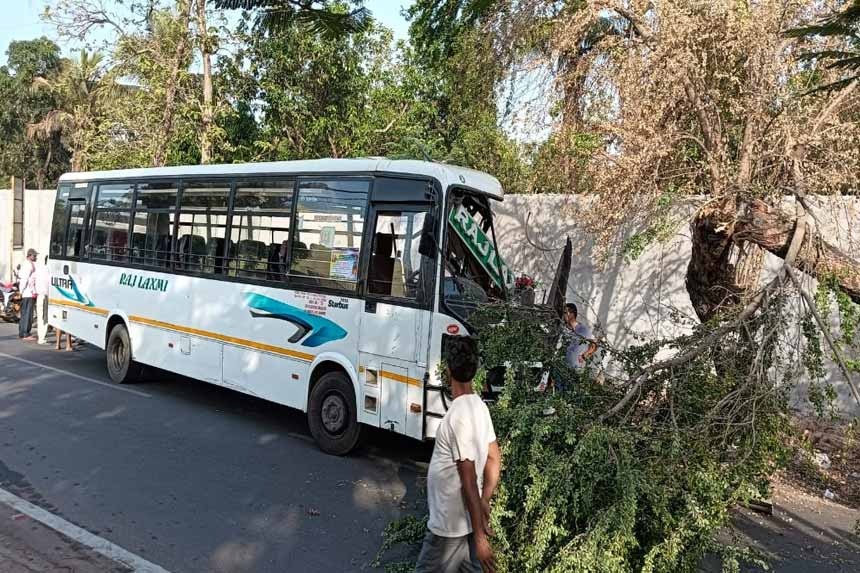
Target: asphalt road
(190,476)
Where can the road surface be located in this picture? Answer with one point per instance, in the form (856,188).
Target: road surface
(190,476)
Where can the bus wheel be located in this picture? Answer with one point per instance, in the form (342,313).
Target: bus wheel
(332,416)
(121,367)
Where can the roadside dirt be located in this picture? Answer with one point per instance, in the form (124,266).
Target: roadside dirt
(27,546)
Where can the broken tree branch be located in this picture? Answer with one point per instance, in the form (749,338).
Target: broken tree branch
(810,304)
(771,229)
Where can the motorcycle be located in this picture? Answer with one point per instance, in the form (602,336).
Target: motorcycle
(11,309)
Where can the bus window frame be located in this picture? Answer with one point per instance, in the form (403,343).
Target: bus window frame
(76,196)
(94,211)
(439,202)
(291,283)
(446,233)
(412,207)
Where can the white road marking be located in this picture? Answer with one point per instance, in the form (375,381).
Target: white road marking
(82,536)
(78,376)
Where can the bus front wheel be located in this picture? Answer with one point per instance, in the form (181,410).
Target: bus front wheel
(332,415)
(121,368)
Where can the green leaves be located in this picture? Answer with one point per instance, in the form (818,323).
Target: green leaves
(332,19)
(842,30)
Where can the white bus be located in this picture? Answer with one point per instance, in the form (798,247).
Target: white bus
(323,285)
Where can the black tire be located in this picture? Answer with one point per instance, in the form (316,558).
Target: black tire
(121,368)
(332,414)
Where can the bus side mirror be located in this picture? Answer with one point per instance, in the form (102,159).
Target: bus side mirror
(427,244)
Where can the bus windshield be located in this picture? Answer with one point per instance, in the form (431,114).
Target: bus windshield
(475,274)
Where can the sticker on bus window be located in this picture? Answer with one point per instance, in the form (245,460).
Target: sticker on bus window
(327,236)
(344,264)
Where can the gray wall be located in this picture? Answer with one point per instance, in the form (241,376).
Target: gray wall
(621,299)
(38,210)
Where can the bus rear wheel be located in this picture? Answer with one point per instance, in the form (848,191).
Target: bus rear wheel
(121,368)
(332,415)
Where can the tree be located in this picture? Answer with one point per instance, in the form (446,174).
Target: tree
(327,17)
(178,66)
(40,162)
(709,104)
(207,113)
(318,95)
(81,90)
(844,26)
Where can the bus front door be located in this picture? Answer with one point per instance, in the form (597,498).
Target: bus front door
(395,321)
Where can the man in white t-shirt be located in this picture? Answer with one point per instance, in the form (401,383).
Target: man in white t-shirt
(463,475)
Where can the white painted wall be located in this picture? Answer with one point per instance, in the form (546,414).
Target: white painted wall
(38,211)
(620,299)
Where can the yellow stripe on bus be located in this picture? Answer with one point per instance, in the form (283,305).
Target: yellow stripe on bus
(223,338)
(78,305)
(400,378)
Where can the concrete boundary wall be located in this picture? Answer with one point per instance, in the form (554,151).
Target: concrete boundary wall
(622,299)
(38,211)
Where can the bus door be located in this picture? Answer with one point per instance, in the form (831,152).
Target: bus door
(395,320)
(68,242)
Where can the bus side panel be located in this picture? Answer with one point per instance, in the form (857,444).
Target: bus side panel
(76,301)
(272,336)
(281,380)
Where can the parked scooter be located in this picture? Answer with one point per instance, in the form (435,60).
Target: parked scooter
(11,309)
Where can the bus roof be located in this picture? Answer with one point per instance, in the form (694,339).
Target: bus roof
(446,174)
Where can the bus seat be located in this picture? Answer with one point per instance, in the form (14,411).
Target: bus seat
(192,250)
(138,247)
(381,274)
(214,261)
(117,245)
(398,281)
(252,258)
(315,262)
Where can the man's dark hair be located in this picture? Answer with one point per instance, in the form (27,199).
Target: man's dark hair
(461,356)
(571,308)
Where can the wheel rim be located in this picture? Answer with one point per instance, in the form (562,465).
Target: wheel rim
(117,355)
(334,413)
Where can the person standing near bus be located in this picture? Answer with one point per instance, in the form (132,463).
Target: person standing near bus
(463,474)
(43,287)
(27,286)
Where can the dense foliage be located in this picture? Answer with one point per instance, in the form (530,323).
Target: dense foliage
(642,491)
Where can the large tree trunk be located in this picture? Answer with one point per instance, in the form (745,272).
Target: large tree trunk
(711,280)
(207,114)
(771,229)
(172,85)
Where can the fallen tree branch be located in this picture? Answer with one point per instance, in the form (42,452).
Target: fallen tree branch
(716,335)
(810,304)
(771,229)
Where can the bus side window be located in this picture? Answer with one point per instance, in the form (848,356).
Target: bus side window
(397,269)
(202,226)
(330,225)
(152,228)
(260,231)
(60,221)
(74,240)
(111,221)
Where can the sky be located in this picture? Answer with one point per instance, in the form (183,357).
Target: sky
(21,20)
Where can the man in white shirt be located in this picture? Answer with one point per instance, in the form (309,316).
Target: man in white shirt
(43,287)
(463,475)
(27,286)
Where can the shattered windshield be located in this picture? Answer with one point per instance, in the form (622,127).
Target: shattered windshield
(474,271)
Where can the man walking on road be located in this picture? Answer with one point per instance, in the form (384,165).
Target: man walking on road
(463,475)
(43,286)
(27,286)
